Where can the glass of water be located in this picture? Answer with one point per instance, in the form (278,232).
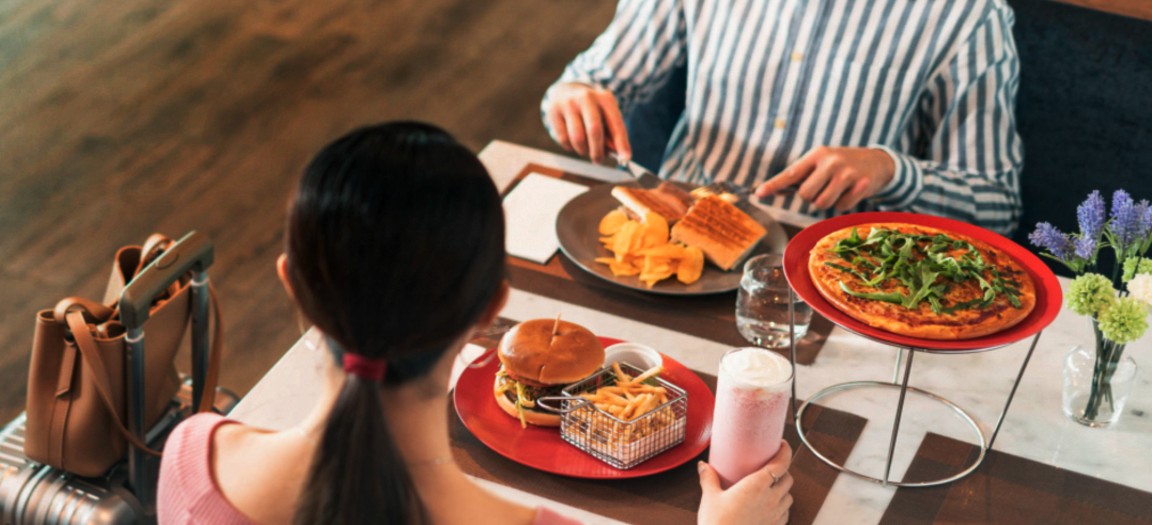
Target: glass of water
(762,304)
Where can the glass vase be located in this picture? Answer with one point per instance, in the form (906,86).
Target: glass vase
(1095,387)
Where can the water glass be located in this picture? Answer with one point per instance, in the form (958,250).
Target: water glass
(762,304)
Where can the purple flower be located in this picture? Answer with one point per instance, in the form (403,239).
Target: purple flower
(1091,215)
(1056,242)
(1085,248)
(1125,224)
(1144,213)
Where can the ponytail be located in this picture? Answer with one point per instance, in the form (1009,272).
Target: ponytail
(357,475)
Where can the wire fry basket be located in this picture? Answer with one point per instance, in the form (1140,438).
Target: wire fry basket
(619,442)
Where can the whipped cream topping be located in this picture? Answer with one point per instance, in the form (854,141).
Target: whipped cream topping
(756,367)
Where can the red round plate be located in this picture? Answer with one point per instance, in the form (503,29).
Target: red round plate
(542,447)
(1048,294)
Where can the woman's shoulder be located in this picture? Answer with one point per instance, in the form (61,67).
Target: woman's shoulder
(187,492)
(192,440)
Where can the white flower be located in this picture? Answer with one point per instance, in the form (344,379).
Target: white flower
(1140,288)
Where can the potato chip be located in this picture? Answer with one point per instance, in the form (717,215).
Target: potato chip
(623,240)
(667,251)
(655,230)
(623,268)
(643,249)
(691,266)
(613,221)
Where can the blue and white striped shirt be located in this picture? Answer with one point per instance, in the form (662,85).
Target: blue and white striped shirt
(932,82)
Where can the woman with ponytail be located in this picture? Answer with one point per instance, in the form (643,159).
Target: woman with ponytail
(394,251)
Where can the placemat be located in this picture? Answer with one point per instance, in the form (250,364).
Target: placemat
(1009,489)
(669,497)
(711,317)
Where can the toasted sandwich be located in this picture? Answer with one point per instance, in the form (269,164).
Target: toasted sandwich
(722,231)
(666,200)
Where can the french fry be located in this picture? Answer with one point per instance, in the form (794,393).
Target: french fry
(648,403)
(651,372)
(629,409)
(615,398)
(621,377)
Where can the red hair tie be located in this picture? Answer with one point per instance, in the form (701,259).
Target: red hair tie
(365,367)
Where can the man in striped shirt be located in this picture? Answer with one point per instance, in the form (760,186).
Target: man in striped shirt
(825,106)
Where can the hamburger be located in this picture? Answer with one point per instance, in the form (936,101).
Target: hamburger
(539,358)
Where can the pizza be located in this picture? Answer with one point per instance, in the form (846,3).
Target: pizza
(921,281)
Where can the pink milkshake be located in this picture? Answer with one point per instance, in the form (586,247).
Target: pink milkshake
(752,398)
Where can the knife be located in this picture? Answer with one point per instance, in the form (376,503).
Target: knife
(643,175)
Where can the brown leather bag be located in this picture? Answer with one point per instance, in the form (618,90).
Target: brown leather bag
(77,385)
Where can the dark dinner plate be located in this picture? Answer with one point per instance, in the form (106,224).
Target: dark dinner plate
(578,224)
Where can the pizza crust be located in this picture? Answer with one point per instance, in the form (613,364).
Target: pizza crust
(921,322)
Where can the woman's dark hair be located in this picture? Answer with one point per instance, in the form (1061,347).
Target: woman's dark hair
(395,243)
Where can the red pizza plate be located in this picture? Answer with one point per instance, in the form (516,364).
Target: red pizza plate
(542,447)
(1048,294)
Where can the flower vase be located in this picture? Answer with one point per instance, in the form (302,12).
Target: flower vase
(1096,386)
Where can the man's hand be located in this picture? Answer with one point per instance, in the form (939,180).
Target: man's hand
(762,497)
(840,177)
(586,119)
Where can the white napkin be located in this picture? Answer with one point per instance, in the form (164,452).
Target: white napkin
(530,211)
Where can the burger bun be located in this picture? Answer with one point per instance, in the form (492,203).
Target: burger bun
(547,352)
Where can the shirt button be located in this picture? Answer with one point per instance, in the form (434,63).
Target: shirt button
(781,123)
(797,56)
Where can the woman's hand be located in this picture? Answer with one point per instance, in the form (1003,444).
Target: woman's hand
(760,498)
(587,120)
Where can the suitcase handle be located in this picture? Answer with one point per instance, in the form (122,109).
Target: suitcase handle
(191,252)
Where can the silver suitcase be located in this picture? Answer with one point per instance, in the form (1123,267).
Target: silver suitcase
(38,494)
(34,494)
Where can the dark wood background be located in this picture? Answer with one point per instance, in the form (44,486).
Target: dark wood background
(122,118)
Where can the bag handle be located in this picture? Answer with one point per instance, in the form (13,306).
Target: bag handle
(94,312)
(156,243)
(208,391)
(152,249)
(91,354)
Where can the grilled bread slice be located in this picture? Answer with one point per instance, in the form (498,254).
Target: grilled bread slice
(671,206)
(722,231)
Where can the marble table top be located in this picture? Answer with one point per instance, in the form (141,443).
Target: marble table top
(1034,428)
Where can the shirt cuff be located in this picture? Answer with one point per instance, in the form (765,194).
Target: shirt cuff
(906,184)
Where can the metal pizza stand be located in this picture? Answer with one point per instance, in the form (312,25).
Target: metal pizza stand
(1048,302)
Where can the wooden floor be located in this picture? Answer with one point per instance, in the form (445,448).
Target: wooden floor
(122,118)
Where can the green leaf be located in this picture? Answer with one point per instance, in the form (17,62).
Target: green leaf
(890,297)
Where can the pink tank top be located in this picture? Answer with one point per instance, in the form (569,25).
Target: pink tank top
(544,516)
(188,494)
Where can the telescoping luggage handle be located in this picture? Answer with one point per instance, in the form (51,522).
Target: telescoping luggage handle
(192,253)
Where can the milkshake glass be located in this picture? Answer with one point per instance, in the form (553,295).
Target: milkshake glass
(752,398)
